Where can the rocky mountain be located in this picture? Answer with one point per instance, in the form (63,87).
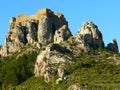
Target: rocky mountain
(47,33)
(46,26)
(38,29)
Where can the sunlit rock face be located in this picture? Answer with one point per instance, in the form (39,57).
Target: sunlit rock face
(35,29)
(89,36)
(51,60)
(62,34)
(49,23)
(49,33)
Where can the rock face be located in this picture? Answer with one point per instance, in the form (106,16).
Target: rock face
(89,36)
(39,28)
(45,32)
(48,24)
(52,60)
(113,46)
(18,35)
(50,31)
(46,27)
(62,34)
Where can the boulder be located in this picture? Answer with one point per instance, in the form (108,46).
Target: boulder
(113,46)
(77,87)
(59,80)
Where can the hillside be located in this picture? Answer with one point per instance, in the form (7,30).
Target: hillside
(40,53)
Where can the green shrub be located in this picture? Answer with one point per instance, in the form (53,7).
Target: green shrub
(14,71)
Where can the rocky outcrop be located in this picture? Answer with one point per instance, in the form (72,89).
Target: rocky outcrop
(15,38)
(52,60)
(56,56)
(77,87)
(48,25)
(18,35)
(36,29)
(49,32)
(62,34)
(113,46)
(45,31)
(89,36)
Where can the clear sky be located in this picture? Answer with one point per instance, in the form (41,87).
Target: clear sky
(104,13)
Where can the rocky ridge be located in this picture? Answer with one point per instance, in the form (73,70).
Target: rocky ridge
(38,29)
(49,32)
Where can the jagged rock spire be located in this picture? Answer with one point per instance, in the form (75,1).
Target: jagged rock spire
(90,36)
(113,46)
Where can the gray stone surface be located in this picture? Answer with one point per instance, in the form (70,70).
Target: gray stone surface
(45,31)
(50,60)
(62,34)
(89,36)
(113,46)
(37,30)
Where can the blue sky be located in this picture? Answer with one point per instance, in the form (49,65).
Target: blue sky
(104,13)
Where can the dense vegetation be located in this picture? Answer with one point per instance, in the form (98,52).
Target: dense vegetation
(95,69)
(17,68)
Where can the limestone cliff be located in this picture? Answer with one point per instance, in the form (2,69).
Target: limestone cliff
(45,27)
(35,29)
(49,32)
